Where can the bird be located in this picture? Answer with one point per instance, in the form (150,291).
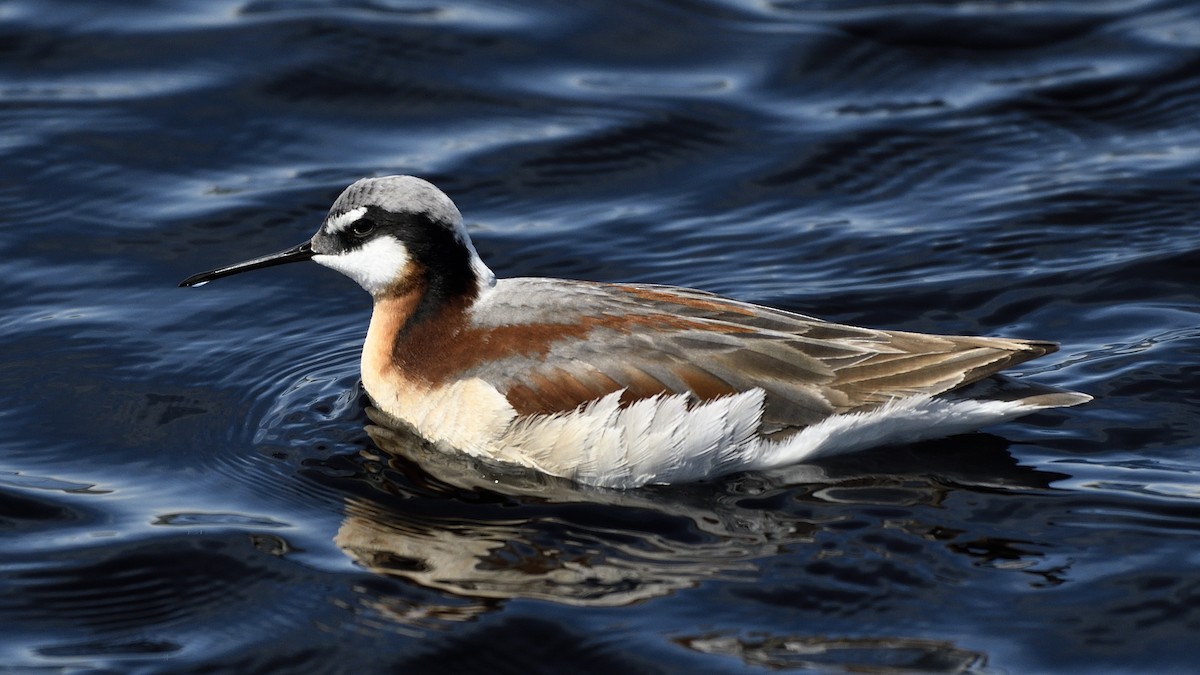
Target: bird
(620,385)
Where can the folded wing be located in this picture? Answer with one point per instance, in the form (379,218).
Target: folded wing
(649,340)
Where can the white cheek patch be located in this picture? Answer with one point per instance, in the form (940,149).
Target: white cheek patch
(340,222)
(375,265)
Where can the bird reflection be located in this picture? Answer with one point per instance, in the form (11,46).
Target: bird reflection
(567,544)
(467,536)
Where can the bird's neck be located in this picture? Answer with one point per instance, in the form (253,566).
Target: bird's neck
(410,327)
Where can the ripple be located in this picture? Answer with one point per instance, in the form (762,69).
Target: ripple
(526,644)
(138,20)
(216,519)
(886,654)
(19,511)
(110,87)
(187,482)
(17,479)
(890,109)
(642,146)
(493,16)
(1175,28)
(972,25)
(672,84)
(140,586)
(110,648)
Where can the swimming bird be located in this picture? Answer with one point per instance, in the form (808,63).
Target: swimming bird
(621,385)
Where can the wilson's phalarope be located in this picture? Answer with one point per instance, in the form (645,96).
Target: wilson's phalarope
(625,384)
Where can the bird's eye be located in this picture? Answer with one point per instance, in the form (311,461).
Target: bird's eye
(362,227)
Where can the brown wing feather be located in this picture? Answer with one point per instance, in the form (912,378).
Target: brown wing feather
(651,340)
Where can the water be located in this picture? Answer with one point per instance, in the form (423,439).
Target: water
(185,480)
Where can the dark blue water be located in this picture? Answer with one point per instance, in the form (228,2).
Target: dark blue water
(185,480)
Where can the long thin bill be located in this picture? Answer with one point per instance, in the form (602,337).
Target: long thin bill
(294,254)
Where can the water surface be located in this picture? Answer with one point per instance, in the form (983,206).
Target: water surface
(186,484)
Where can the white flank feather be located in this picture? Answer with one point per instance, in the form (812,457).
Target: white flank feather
(905,420)
(663,440)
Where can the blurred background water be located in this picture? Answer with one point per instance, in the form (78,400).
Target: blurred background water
(185,480)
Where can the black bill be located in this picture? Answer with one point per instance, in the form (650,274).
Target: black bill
(294,254)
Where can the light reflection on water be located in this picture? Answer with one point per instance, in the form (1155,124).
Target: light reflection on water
(185,478)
